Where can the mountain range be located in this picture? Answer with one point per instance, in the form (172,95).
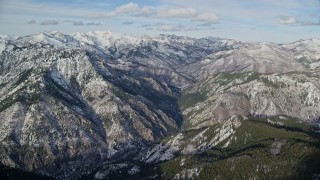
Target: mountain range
(97,104)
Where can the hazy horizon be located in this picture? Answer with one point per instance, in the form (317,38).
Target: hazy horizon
(249,21)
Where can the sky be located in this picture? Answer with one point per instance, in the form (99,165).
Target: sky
(244,20)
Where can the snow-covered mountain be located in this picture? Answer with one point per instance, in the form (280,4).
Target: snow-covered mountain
(217,98)
(306,52)
(256,57)
(71,103)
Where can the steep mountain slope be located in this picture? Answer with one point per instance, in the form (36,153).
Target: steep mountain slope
(251,94)
(239,147)
(65,109)
(257,57)
(251,148)
(244,125)
(69,102)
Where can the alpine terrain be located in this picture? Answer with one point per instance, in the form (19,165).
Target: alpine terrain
(103,105)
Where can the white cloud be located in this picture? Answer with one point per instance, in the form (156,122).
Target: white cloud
(208,17)
(288,20)
(260,12)
(170,27)
(178,13)
(146,12)
(49,22)
(124,9)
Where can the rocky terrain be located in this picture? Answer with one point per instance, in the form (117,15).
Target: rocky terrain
(257,57)
(216,98)
(89,105)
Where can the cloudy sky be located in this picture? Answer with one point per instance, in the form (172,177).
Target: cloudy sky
(245,20)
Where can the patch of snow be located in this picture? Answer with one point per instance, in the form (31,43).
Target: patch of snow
(103,174)
(275,123)
(100,175)
(226,144)
(315,65)
(134,170)
(2,45)
(199,137)
(283,118)
(111,152)
(182,162)
(225,131)
(163,152)
(187,173)
(9,48)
